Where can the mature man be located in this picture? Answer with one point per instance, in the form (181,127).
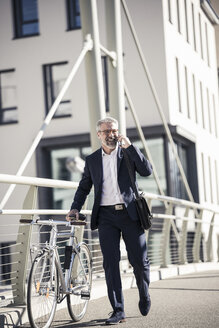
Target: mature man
(114,212)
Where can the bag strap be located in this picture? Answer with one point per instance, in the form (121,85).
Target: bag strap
(126,157)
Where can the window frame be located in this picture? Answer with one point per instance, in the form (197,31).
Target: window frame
(106,81)
(51,83)
(71,15)
(19,21)
(5,71)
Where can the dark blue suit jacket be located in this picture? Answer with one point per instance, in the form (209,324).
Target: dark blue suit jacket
(93,175)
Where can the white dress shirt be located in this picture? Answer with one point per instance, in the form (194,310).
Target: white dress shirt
(111,194)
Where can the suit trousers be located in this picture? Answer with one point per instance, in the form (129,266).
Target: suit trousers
(112,224)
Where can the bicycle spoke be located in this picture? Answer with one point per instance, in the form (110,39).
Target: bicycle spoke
(81,278)
(42,292)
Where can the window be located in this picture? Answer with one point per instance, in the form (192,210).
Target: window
(195,99)
(187,92)
(207,43)
(210,179)
(170,11)
(105,80)
(178,17)
(203,177)
(157,150)
(67,164)
(178,189)
(178,85)
(73,14)
(200,31)
(193,24)
(202,105)
(209,111)
(26,21)
(8,108)
(215,116)
(54,78)
(186,20)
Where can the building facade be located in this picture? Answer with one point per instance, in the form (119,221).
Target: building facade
(40,42)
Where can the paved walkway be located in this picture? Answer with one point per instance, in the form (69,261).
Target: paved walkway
(190,301)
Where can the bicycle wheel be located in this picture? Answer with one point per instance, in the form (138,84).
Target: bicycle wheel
(81,280)
(42,291)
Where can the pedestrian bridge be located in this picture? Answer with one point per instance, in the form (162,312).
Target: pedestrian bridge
(183,240)
(187,301)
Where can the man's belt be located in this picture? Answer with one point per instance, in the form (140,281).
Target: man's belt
(117,207)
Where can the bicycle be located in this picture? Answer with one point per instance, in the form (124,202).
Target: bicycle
(48,285)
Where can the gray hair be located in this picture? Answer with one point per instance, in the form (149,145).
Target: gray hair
(106,120)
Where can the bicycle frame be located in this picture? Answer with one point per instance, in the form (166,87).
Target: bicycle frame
(52,249)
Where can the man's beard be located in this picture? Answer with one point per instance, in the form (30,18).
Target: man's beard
(110,142)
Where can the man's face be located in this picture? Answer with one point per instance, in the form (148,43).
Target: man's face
(108,135)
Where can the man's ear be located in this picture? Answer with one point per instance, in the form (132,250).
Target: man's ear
(98,135)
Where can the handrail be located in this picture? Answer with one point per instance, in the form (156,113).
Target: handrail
(52,183)
(39,182)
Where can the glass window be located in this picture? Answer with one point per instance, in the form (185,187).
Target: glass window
(215,116)
(200,34)
(156,147)
(207,44)
(203,176)
(8,97)
(105,79)
(178,189)
(194,27)
(178,85)
(210,179)
(67,164)
(186,20)
(54,78)
(26,21)
(73,14)
(170,11)
(187,92)
(195,98)
(202,105)
(209,110)
(178,16)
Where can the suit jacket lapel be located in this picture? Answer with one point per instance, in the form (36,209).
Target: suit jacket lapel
(99,166)
(119,159)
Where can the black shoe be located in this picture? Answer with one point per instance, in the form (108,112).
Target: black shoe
(144,306)
(116,317)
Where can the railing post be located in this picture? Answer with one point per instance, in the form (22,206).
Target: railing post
(19,268)
(166,237)
(183,240)
(197,240)
(209,241)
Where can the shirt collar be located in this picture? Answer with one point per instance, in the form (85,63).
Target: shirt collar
(113,153)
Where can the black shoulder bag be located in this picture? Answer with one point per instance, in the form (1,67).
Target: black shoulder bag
(142,208)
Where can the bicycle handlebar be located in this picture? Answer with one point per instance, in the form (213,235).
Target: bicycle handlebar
(80,222)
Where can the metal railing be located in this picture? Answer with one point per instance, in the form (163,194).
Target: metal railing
(182,232)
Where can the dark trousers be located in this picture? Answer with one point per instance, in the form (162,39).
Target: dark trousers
(113,224)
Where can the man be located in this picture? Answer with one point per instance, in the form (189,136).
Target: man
(114,212)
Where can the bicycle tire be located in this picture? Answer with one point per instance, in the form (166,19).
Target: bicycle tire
(42,292)
(77,306)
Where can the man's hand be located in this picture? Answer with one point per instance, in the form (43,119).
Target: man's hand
(124,141)
(72,214)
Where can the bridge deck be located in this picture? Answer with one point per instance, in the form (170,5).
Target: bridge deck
(184,301)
